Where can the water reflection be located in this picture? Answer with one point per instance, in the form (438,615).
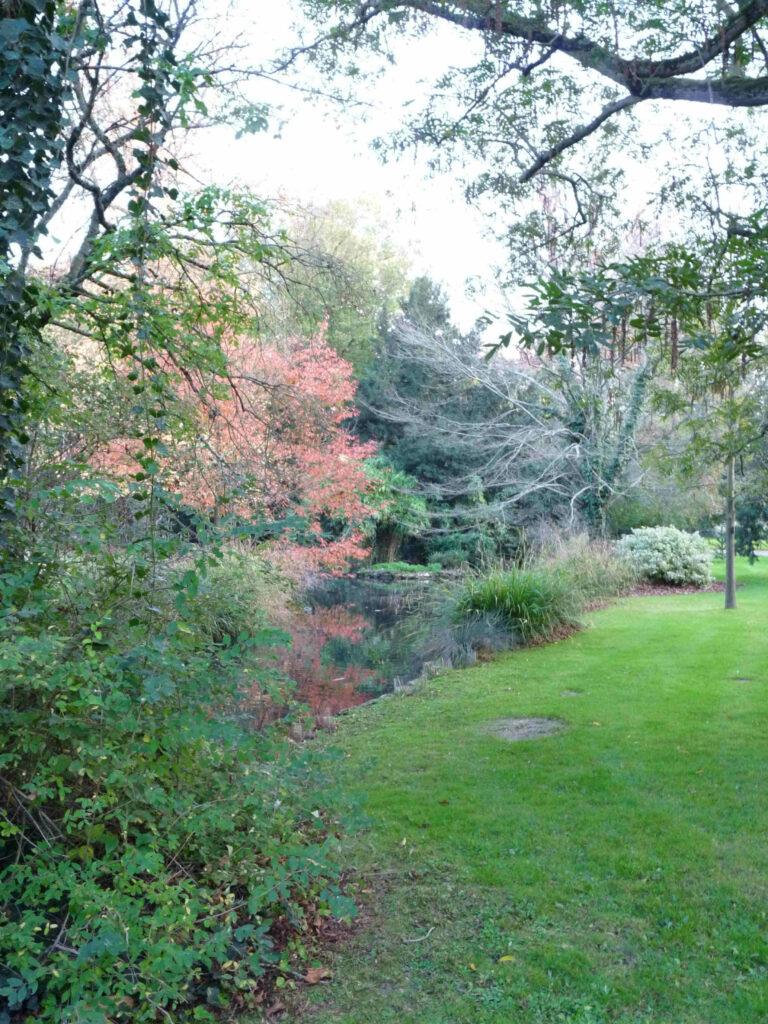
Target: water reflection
(396,620)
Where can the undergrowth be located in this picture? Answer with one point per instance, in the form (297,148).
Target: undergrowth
(157,860)
(565,578)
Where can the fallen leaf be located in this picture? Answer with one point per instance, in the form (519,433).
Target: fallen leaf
(506,959)
(403,841)
(316,974)
(595,723)
(276,1007)
(472,967)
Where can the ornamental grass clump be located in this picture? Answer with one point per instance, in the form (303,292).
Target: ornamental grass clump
(591,569)
(532,602)
(664,554)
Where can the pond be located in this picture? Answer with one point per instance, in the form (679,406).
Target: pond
(397,619)
(358,637)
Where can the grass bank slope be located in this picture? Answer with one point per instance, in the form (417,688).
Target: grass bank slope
(614,872)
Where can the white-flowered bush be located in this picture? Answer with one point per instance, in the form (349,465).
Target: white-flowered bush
(667,555)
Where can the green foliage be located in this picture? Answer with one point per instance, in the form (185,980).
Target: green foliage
(532,602)
(33,83)
(153,855)
(236,594)
(667,555)
(751,522)
(455,549)
(666,499)
(347,276)
(399,513)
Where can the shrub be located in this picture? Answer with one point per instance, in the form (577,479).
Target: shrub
(237,594)
(667,555)
(532,602)
(155,858)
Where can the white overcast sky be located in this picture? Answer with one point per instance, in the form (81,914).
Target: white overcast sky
(323,154)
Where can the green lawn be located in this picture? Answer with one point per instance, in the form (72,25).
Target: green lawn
(615,872)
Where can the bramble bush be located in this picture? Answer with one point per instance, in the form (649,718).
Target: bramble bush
(155,858)
(667,555)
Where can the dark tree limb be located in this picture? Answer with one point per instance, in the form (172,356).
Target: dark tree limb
(579,135)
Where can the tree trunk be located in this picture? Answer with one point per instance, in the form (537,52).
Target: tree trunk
(387,544)
(730,526)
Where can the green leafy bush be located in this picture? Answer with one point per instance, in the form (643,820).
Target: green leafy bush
(155,858)
(667,555)
(239,592)
(532,602)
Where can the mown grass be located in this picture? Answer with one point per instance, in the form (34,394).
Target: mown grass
(615,872)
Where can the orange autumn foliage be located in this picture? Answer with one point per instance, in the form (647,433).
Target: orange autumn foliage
(269,440)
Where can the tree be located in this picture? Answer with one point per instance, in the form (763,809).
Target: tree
(528,439)
(699,313)
(548,103)
(400,512)
(345,274)
(637,52)
(268,441)
(722,408)
(93,101)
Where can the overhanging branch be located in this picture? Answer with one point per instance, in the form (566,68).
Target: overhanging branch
(579,135)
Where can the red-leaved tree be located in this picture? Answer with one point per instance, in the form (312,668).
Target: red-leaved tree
(268,440)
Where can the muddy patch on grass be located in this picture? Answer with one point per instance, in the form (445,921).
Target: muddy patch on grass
(514,729)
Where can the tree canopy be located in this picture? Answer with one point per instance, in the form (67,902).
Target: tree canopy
(544,114)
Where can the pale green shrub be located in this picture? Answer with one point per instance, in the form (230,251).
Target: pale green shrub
(667,555)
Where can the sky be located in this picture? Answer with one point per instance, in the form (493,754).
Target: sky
(322,153)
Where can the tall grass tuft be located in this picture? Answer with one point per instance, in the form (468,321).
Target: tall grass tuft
(569,575)
(591,569)
(532,602)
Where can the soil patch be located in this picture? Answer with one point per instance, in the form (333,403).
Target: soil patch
(660,589)
(514,729)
